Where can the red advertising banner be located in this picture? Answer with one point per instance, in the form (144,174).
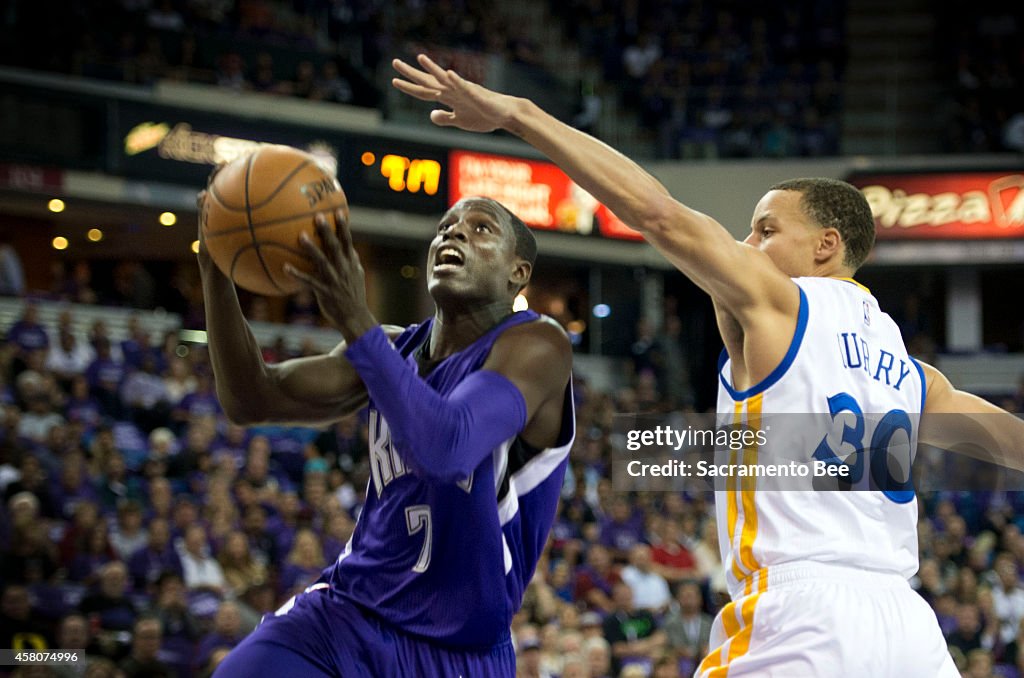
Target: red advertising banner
(31,178)
(537,192)
(950,206)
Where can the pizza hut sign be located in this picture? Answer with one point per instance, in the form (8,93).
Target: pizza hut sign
(953,206)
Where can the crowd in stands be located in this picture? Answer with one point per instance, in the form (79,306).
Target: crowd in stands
(985,68)
(323,50)
(721,79)
(759,82)
(140,525)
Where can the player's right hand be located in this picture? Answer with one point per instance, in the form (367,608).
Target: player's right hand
(473,108)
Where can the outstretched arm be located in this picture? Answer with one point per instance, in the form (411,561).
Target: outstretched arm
(738,277)
(962,422)
(305,390)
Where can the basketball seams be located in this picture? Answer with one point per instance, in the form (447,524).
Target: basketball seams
(270,222)
(252,231)
(255,248)
(220,201)
(245,208)
(280,186)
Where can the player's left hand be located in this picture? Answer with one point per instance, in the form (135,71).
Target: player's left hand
(337,279)
(473,108)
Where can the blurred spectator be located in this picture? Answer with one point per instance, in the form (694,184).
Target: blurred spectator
(622,529)
(529,660)
(81,407)
(202,402)
(966,636)
(73,632)
(979,664)
(201,571)
(69,358)
(304,84)
(180,627)
(29,556)
(672,560)
(104,375)
(109,603)
(264,79)
(595,579)
(144,395)
(128,535)
(156,557)
(650,590)
(143,661)
(227,631)
(241,570)
(19,628)
(231,72)
(32,481)
(687,626)
(328,86)
(27,333)
(178,380)
(632,634)
(1007,597)
(599,656)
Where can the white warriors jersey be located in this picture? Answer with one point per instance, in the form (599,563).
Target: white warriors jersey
(845,385)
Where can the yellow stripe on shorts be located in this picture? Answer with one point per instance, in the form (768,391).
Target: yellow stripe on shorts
(738,622)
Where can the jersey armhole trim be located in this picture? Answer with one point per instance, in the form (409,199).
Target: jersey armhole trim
(780,369)
(924,382)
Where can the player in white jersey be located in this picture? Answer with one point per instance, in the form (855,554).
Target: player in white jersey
(819,580)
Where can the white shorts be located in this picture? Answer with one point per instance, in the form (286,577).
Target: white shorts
(827,621)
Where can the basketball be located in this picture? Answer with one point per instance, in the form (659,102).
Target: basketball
(256,208)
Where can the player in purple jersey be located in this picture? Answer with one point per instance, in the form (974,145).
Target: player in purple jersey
(471,422)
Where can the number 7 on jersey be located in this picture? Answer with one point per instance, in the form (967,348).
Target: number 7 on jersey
(418,518)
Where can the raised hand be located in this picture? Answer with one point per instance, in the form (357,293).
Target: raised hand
(473,108)
(337,280)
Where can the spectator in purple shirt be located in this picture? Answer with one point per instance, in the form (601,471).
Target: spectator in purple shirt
(285,524)
(200,403)
(104,376)
(231,445)
(73,485)
(138,346)
(97,552)
(27,333)
(82,407)
(158,556)
(594,580)
(304,563)
(227,631)
(622,529)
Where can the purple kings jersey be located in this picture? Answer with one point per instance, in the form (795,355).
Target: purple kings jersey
(450,562)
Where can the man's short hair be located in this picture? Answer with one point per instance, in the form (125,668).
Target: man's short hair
(526,243)
(836,204)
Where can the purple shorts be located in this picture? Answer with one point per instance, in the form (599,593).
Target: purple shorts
(320,633)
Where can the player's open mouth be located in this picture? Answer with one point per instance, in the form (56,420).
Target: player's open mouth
(448,259)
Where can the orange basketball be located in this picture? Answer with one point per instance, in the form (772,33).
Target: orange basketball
(257,206)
